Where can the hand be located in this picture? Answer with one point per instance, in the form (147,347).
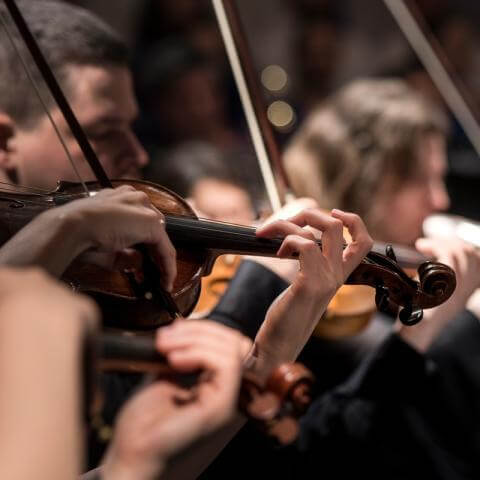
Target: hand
(155,425)
(109,223)
(286,269)
(295,313)
(465,260)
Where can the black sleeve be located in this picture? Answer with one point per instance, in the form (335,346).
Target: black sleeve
(391,419)
(248,297)
(457,354)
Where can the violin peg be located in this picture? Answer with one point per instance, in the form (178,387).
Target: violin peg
(284,431)
(390,253)
(410,316)
(264,407)
(383,302)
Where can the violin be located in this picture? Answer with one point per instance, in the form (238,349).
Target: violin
(199,243)
(273,405)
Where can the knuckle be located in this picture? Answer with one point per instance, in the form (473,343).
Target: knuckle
(336,224)
(310,246)
(355,217)
(124,188)
(151,215)
(141,197)
(368,241)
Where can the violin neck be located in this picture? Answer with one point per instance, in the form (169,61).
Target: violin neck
(219,237)
(224,238)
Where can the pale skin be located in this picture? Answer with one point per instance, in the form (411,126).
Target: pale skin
(465,260)
(399,209)
(41,332)
(103,101)
(287,327)
(400,214)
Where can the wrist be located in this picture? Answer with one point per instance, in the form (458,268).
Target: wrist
(69,230)
(116,469)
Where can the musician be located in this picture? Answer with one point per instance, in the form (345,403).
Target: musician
(378,148)
(91,63)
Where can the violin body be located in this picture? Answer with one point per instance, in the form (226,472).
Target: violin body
(114,290)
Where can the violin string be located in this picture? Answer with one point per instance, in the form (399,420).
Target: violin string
(42,101)
(28,201)
(11,187)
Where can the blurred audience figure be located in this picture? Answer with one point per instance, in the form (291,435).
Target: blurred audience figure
(200,173)
(182,98)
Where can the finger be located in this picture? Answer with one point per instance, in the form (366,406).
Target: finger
(193,330)
(332,234)
(168,343)
(312,262)
(117,261)
(282,228)
(124,188)
(434,247)
(292,208)
(133,197)
(198,358)
(361,242)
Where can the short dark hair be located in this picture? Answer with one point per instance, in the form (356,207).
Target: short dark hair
(68,35)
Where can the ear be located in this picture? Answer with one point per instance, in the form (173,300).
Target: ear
(7,131)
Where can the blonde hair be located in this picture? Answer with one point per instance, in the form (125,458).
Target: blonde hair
(350,144)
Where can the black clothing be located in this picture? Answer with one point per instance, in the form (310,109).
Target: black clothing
(391,420)
(398,416)
(115,388)
(457,354)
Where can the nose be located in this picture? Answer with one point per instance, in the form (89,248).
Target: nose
(439,198)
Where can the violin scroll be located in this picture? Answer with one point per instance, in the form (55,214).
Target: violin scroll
(437,280)
(276,406)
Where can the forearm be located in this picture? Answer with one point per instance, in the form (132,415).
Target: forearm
(40,401)
(188,464)
(192,462)
(52,241)
(286,330)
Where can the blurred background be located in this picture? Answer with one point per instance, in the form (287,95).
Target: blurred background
(303,50)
